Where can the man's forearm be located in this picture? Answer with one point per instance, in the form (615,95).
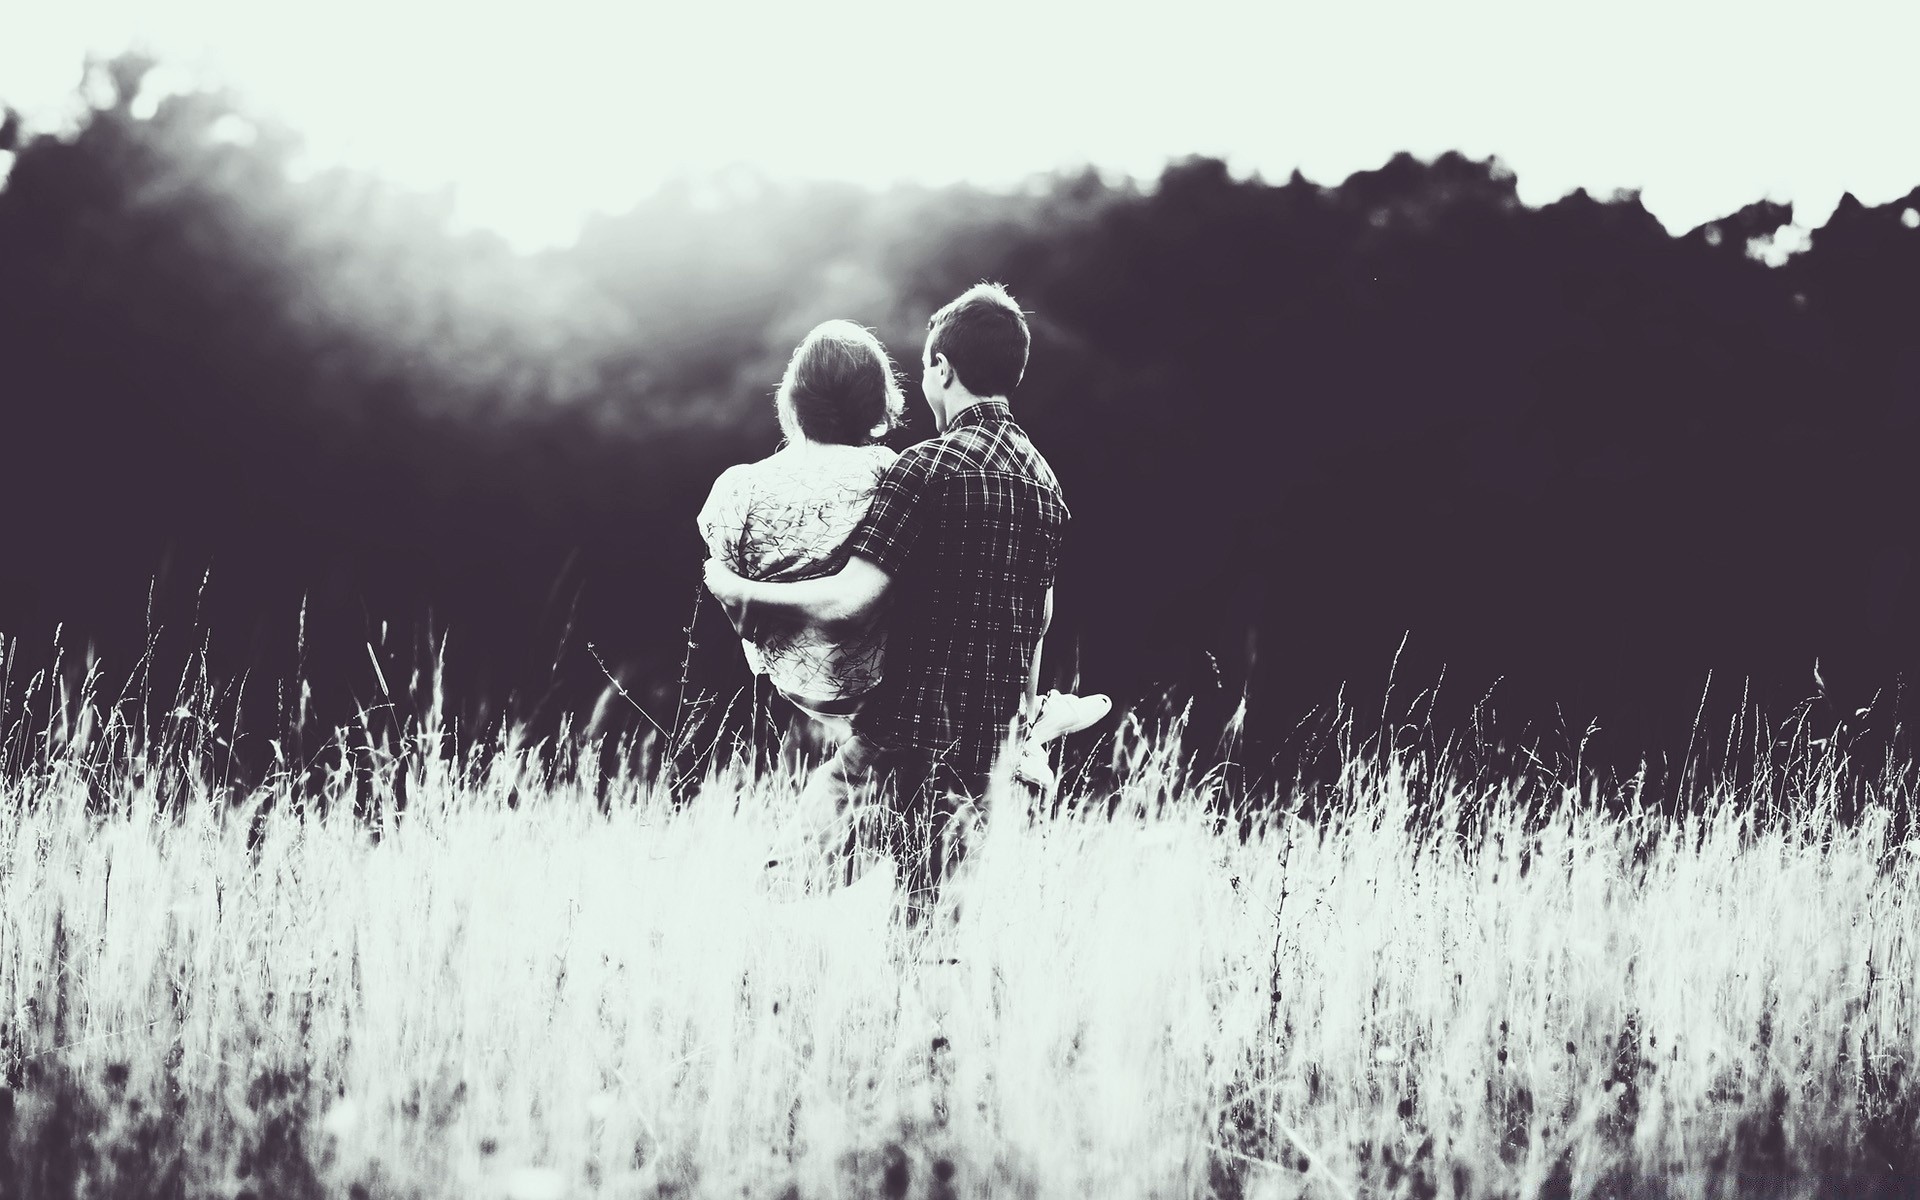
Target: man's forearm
(822,601)
(847,598)
(1033,669)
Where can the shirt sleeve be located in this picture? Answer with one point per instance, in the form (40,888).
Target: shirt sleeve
(1059,542)
(901,510)
(722,520)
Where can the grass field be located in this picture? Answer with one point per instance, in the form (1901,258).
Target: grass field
(540,980)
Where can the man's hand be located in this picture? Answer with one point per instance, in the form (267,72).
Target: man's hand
(723,583)
(728,589)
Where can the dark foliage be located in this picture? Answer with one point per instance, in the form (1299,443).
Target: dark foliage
(1575,460)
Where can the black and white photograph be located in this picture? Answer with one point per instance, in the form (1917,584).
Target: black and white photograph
(857,600)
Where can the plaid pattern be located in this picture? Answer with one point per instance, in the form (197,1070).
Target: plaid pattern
(968,526)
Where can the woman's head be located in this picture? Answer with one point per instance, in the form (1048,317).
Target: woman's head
(839,387)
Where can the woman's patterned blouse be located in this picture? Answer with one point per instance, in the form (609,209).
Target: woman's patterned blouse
(788,517)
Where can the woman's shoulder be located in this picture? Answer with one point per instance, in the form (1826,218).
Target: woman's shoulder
(750,484)
(731,486)
(747,478)
(881,453)
(833,461)
(733,477)
(795,474)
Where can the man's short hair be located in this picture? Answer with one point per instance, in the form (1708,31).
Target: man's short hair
(839,388)
(984,335)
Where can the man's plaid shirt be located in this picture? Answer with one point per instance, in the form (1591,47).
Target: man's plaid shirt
(968,528)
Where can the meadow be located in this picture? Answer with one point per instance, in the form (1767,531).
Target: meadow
(523,969)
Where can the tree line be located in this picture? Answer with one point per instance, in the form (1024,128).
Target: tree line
(1314,436)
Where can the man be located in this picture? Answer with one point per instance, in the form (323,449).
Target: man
(960,547)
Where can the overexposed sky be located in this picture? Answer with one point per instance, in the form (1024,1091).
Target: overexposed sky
(539,113)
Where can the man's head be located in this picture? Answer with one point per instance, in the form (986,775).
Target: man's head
(839,388)
(976,350)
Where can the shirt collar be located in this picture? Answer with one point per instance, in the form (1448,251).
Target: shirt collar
(981,412)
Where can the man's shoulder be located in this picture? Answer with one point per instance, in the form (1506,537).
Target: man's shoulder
(1031,460)
(1006,452)
(999,453)
(934,458)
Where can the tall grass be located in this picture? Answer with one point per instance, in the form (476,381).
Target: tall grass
(546,974)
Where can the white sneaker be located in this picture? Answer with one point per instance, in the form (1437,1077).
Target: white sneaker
(1033,768)
(1061,714)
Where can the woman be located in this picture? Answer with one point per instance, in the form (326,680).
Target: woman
(789,516)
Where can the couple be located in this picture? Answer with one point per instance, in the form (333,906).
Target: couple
(903,599)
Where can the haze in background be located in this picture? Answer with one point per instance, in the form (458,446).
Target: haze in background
(1323,441)
(1704,107)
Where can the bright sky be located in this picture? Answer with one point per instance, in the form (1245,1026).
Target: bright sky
(539,113)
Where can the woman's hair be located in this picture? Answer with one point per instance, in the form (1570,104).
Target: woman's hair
(839,387)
